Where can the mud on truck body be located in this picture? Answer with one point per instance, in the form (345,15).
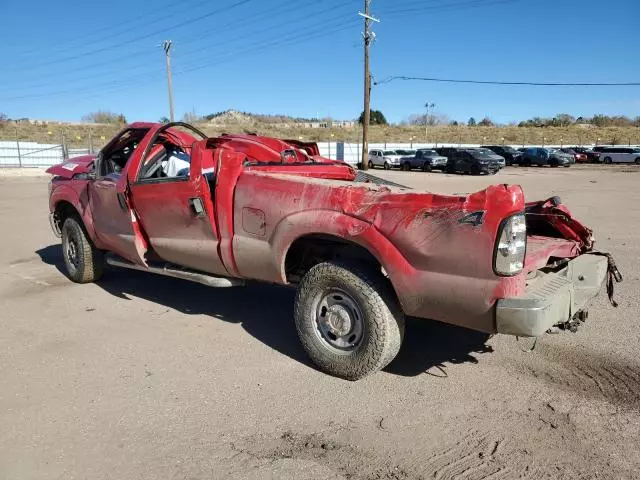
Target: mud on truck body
(362,256)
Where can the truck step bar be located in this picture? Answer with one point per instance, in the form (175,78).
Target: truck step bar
(169,270)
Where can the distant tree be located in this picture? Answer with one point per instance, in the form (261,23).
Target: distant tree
(191,117)
(454,123)
(3,118)
(471,122)
(486,122)
(103,116)
(376,117)
(563,120)
(636,122)
(164,120)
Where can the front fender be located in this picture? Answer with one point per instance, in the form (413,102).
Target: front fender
(78,198)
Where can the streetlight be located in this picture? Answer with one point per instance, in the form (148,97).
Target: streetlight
(329,142)
(427,106)
(561,142)
(597,141)
(411,141)
(544,139)
(503,141)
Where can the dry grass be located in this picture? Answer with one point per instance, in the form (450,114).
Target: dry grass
(80,135)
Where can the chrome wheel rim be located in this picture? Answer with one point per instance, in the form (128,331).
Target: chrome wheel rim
(339,320)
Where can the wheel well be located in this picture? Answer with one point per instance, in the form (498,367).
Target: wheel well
(63,211)
(310,250)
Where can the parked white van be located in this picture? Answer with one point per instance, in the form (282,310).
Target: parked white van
(620,155)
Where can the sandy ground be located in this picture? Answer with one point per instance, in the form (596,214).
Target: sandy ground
(143,377)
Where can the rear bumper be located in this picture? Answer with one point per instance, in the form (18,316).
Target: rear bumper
(552,298)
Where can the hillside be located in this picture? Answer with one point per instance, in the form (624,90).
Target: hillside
(81,135)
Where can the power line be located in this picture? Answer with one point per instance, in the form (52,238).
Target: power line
(246,51)
(190,21)
(493,82)
(199,50)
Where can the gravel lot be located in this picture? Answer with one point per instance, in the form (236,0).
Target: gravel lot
(144,377)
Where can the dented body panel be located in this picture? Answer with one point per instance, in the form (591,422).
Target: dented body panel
(247,200)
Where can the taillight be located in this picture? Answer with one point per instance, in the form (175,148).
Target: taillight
(511,246)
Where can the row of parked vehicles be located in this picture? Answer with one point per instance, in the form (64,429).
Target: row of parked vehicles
(491,158)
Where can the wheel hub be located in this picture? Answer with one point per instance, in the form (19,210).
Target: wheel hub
(72,252)
(339,320)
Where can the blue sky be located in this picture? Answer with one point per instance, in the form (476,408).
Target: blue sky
(62,60)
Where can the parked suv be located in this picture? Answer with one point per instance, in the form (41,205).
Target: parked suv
(546,156)
(511,155)
(473,161)
(384,158)
(426,159)
(592,156)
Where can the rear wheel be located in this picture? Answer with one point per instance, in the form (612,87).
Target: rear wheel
(84,262)
(371,165)
(553,163)
(608,160)
(348,319)
(637,161)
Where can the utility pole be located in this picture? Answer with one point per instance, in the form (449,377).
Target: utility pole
(368,38)
(166,46)
(426,120)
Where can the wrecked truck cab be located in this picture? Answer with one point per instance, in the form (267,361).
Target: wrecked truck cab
(362,256)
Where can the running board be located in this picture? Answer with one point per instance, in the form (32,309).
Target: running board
(169,270)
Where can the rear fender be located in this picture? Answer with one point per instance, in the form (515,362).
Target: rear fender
(345,227)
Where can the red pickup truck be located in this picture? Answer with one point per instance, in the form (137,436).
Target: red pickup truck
(220,211)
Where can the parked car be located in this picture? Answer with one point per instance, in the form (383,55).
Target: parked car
(494,156)
(472,160)
(620,155)
(546,156)
(579,157)
(362,256)
(592,156)
(384,158)
(510,154)
(425,159)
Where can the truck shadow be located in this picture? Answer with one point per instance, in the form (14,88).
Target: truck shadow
(266,312)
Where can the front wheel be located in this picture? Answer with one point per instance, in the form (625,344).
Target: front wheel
(387,166)
(426,167)
(608,161)
(406,167)
(348,319)
(84,262)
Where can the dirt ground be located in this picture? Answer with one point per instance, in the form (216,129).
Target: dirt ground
(143,377)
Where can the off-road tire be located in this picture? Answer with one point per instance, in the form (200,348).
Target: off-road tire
(89,261)
(383,320)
